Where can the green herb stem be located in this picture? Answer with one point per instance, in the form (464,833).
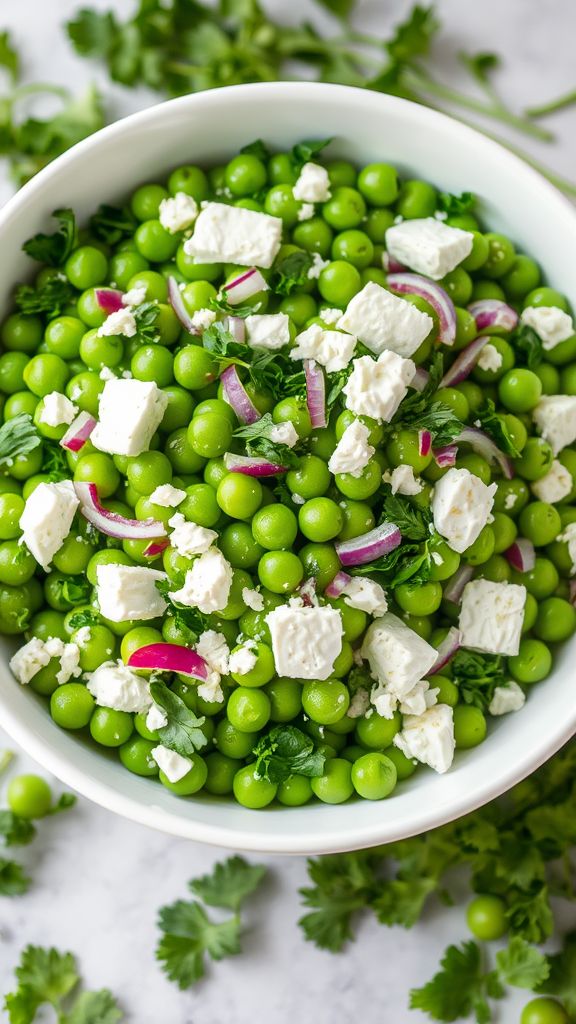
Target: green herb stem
(553,106)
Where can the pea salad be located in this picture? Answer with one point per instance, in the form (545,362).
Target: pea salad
(288,477)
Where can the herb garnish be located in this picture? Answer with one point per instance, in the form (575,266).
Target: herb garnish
(183,731)
(287,751)
(18,436)
(259,443)
(55,249)
(47,977)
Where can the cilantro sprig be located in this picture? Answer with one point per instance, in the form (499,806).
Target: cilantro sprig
(18,436)
(47,977)
(183,730)
(257,438)
(286,751)
(54,249)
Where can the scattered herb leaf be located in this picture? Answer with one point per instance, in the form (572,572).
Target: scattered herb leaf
(287,751)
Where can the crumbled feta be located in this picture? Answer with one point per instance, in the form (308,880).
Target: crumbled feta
(306,211)
(47,519)
(114,685)
(298,499)
(135,297)
(428,246)
(173,765)
(330,315)
(231,234)
(211,690)
(491,616)
(331,349)
(318,265)
(167,496)
(510,501)
(37,653)
(129,592)
(253,599)
(242,660)
(207,584)
(568,537)
(213,647)
(268,330)
(107,374)
(555,485)
(156,718)
(284,433)
(365,594)
(130,412)
(83,636)
(383,321)
(418,699)
(555,417)
(359,704)
(490,359)
(305,641)
(353,452)
(313,184)
(461,507)
(506,699)
(69,655)
(188,538)
(178,212)
(398,657)
(202,319)
(376,387)
(57,409)
(429,737)
(552,325)
(402,480)
(121,322)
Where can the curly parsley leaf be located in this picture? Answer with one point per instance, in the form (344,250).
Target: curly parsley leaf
(461,988)
(50,298)
(13,880)
(183,731)
(522,965)
(74,590)
(477,676)
(401,901)
(111,224)
(528,346)
(259,443)
(14,830)
(54,249)
(495,425)
(64,802)
(274,371)
(412,521)
(455,205)
(419,411)
(290,272)
(229,884)
(287,751)
(18,436)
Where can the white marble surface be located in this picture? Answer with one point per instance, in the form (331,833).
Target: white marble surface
(99,879)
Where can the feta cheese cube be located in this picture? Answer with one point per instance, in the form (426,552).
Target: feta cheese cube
(491,616)
(555,417)
(383,321)
(313,184)
(213,647)
(207,583)
(231,234)
(555,485)
(121,322)
(461,507)
(506,699)
(284,433)
(253,599)
(490,359)
(352,453)
(385,703)
(365,594)
(178,212)
(129,592)
(57,409)
(156,718)
(114,685)
(242,660)
(130,412)
(305,641)
(173,765)
(331,349)
(376,387)
(202,319)
(552,325)
(429,738)
(29,659)
(167,496)
(188,538)
(568,537)
(419,699)
(269,330)
(306,212)
(398,657)
(47,519)
(402,480)
(428,246)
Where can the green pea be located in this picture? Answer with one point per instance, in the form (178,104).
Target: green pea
(295,791)
(377,733)
(71,706)
(21,333)
(335,785)
(469,726)
(417,199)
(29,796)
(520,390)
(191,180)
(556,620)
(136,756)
(320,561)
(535,460)
(532,663)
(379,184)
(280,571)
(314,235)
(486,918)
(154,242)
(501,255)
(339,282)
(86,267)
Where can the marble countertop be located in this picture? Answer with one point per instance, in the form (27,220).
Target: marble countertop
(98,879)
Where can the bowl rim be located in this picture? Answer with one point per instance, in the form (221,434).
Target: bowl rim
(320,839)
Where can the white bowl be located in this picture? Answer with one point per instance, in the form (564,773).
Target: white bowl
(209,128)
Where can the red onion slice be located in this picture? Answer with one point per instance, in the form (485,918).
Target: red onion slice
(170,658)
(491,313)
(464,363)
(420,379)
(424,442)
(177,302)
(486,447)
(446,456)
(307,592)
(109,300)
(455,587)
(243,287)
(111,523)
(237,328)
(392,265)
(252,466)
(371,545)
(156,547)
(78,432)
(447,649)
(415,284)
(338,584)
(236,395)
(315,393)
(521,555)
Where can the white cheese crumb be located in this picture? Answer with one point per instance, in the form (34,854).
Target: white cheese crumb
(47,519)
(232,234)
(306,211)
(353,452)
(491,616)
(332,349)
(57,409)
(376,387)
(365,594)
(402,480)
(318,265)
(429,246)
(419,699)
(330,315)
(461,506)
(305,641)
(490,359)
(213,647)
(134,297)
(359,704)
(207,584)
(429,737)
(253,599)
(551,324)
(383,321)
(242,660)
(107,374)
(268,330)
(172,764)
(506,699)
(37,653)
(555,485)
(129,592)
(130,412)
(398,657)
(178,212)
(121,322)
(114,685)
(298,499)
(284,433)
(202,319)
(167,496)
(156,718)
(188,538)
(313,184)
(510,501)
(555,417)
(568,536)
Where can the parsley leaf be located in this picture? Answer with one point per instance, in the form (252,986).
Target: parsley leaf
(455,205)
(412,37)
(64,802)
(13,881)
(287,751)
(306,152)
(183,731)
(528,346)
(190,621)
(86,617)
(257,438)
(49,298)
(562,978)
(16,831)
(477,676)
(495,425)
(521,965)
(54,464)
(290,272)
(9,57)
(18,436)
(257,149)
(408,563)
(412,521)
(111,224)
(460,988)
(190,935)
(74,590)
(229,884)
(343,885)
(54,249)
(146,316)
(46,976)
(94,1008)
